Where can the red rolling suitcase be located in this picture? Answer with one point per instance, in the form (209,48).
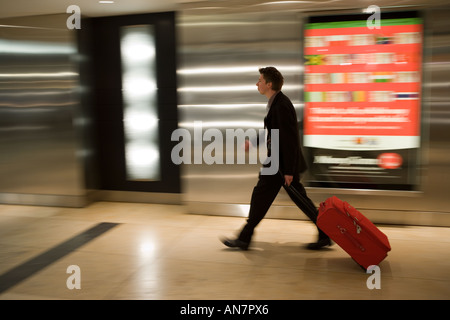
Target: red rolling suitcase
(353,232)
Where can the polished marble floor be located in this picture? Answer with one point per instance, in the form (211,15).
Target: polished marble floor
(151,251)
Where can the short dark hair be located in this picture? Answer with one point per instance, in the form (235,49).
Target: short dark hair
(271,74)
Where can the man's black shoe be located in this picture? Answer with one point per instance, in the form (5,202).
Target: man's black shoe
(235,244)
(319,244)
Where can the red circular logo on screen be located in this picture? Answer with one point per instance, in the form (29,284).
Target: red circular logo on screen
(390,160)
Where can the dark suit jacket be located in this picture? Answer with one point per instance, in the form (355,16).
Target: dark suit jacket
(282,116)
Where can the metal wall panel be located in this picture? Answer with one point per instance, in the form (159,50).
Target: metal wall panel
(40,113)
(219,60)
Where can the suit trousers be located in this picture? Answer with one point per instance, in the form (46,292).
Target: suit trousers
(264,193)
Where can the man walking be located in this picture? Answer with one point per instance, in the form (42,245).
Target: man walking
(281,116)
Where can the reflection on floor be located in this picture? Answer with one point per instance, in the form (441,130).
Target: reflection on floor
(149,251)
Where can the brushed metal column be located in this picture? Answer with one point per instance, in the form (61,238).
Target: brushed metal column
(41,152)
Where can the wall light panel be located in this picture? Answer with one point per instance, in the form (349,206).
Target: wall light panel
(139,92)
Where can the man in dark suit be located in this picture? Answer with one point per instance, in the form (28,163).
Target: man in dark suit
(281,119)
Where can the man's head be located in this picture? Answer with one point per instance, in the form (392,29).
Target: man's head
(270,79)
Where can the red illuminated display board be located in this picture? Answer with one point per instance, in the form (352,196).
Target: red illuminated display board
(362,93)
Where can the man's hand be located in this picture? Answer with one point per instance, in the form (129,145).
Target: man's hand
(247,145)
(288,180)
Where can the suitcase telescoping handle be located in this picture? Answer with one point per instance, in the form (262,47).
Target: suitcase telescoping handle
(306,206)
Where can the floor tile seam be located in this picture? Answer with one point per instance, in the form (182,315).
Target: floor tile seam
(361,272)
(113,291)
(30,216)
(258,265)
(45,297)
(155,223)
(121,222)
(241,264)
(71,218)
(59,220)
(211,262)
(130,254)
(102,253)
(393,277)
(46,247)
(415,240)
(311,270)
(31,246)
